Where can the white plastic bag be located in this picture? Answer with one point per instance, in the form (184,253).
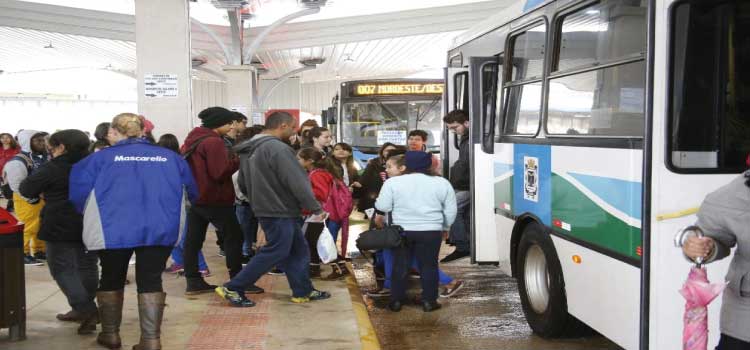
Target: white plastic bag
(326,246)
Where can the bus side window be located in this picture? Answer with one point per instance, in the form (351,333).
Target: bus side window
(598,83)
(709,113)
(523,91)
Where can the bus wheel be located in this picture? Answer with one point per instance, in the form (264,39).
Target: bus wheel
(540,284)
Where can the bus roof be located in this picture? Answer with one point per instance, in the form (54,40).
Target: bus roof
(499,19)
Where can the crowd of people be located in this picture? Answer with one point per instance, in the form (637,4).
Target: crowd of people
(90,206)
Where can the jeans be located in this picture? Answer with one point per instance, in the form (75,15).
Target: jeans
(177,253)
(249,225)
(459,232)
(426,248)
(76,272)
(149,264)
(334,228)
(443,278)
(225,219)
(287,249)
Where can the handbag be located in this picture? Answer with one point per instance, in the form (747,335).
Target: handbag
(391,236)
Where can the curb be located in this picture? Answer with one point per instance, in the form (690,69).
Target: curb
(367,334)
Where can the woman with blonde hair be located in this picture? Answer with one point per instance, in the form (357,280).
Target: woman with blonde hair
(132,196)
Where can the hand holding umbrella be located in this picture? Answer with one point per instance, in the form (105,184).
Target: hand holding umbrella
(697,291)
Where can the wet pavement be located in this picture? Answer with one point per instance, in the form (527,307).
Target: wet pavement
(485,314)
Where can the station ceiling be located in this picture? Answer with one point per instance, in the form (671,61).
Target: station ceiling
(358,39)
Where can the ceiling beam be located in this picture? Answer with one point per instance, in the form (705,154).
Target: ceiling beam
(377,26)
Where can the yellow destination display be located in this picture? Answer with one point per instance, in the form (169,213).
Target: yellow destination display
(398,89)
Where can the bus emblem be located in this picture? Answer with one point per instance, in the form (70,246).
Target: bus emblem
(531,179)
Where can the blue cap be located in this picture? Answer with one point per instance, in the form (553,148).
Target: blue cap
(418,161)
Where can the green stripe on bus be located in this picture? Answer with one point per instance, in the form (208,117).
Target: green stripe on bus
(589,222)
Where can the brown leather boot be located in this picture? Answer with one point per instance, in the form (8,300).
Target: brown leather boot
(110,315)
(150,313)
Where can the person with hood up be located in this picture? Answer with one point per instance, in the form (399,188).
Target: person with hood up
(132,197)
(212,165)
(32,156)
(279,189)
(73,267)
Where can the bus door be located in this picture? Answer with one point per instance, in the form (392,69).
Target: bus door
(456,96)
(700,143)
(483,91)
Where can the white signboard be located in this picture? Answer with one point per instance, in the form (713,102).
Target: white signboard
(397,137)
(160,85)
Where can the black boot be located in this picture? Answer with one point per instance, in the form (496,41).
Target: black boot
(198,285)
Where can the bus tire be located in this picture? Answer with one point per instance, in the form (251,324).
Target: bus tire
(540,284)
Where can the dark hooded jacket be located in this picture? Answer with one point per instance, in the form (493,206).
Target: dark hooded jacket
(460,174)
(60,221)
(273,179)
(212,166)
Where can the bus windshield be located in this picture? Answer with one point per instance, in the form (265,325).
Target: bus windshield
(367,125)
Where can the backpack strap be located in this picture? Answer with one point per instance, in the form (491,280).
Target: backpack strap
(193,147)
(26,159)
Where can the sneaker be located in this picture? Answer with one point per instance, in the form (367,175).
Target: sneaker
(313,296)
(234,298)
(382,292)
(198,286)
(276,272)
(413,274)
(40,256)
(29,260)
(245,259)
(454,256)
(449,292)
(175,269)
(254,290)
(205,273)
(221,252)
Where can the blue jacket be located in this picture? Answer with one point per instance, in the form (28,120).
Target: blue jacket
(132,194)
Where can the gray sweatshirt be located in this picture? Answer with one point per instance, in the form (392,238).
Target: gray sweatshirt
(724,217)
(15,170)
(272,178)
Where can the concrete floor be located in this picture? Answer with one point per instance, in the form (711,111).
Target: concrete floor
(485,314)
(201,322)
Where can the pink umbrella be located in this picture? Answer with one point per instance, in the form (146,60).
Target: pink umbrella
(698,293)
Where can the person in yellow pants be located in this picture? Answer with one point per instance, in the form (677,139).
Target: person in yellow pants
(30,214)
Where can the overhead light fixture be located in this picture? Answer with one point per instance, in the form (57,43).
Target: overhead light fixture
(311,3)
(313,61)
(348,58)
(228,4)
(49,46)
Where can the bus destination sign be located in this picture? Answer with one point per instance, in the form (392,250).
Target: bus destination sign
(398,89)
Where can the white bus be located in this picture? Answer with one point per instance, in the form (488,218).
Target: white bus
(597,128)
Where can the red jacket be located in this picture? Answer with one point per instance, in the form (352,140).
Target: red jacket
(212,166)
(6,155)
(321,181)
